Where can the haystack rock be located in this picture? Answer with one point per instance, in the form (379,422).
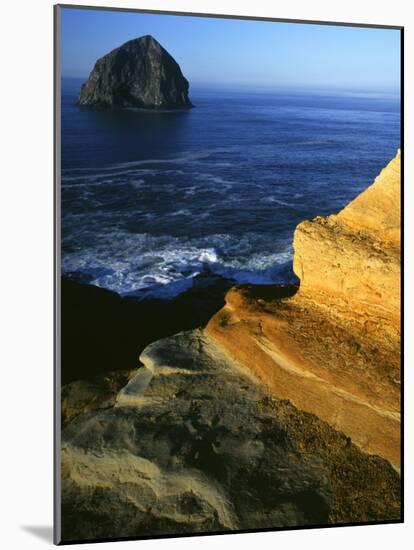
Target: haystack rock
(333,347)
(141,74)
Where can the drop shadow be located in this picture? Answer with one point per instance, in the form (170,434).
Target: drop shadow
(43,532)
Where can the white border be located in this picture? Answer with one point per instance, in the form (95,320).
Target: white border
(26,272)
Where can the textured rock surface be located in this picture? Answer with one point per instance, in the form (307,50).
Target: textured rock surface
(332,348)
(192,443)
(140,73)
(354,257)
(100,392)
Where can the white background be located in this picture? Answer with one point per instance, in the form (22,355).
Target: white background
(26,230)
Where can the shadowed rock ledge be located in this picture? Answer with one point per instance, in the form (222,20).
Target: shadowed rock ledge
(140,73)
(333,348)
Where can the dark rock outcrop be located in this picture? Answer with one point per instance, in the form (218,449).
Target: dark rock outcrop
(103,332)
(140,73)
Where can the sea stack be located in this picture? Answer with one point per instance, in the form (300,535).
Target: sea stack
(141,74)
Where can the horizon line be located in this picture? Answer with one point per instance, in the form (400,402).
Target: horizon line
(267,87)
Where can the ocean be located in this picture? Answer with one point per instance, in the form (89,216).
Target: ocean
(152,199)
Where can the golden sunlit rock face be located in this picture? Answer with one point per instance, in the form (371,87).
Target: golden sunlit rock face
(333,347)
(354,256)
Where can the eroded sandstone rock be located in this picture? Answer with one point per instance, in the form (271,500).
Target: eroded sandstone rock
(194,443)
(188,449)
(353,258)
(333,348)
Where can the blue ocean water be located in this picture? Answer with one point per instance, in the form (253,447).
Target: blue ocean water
(151,199)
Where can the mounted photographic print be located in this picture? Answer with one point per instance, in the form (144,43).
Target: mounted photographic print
(228,274)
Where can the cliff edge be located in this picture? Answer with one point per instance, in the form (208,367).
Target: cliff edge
(353,258)
(258,421)
(332,348)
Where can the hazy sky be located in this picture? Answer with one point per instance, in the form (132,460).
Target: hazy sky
(239,52)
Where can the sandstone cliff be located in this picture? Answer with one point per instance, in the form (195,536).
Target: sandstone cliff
(333,347)
(354,257)
(140,73)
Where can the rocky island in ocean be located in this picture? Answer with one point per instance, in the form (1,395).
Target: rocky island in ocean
(140,74)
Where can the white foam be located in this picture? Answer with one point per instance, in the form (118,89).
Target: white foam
(182,212)
(137,184)
(165,266)
(274,200)
(208,256)
(101,178)
(186,156)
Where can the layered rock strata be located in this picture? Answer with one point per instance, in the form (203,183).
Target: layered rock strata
(193,443)
(185,448)
(333,347)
